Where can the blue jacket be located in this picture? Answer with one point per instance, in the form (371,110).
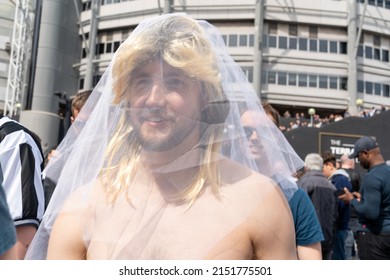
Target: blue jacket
(340,179)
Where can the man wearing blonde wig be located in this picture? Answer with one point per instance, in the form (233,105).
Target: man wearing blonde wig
(156,171)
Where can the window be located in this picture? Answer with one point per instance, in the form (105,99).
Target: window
(109,47)
(302,44)
(386,90)
(233,40)
(324,46)
(302,80)
(96,49)
(333,46)
(292,79)
(368,52)
(271,77)
(293,42)
(377,54)
(248,73)
(282,42)
(251,40)
(243,40)
(101,48)
(81,83)
(368,88)
(323,83)
(333,82)
(116,45)
(263,76)
(313,45)
(360,51)
(272,41)
(312,81)
(360,86)
(343,47)
(265,41)
(224,37)
(377,89)
(86,5)
(282,78)
(387,4)
(96,79)
(344,83)
(385,55)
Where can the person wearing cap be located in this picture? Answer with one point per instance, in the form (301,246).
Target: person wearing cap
(373,202)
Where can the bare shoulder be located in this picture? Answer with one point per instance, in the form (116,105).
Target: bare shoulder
(240,181)
(83,196)
(269,223)
(72,218)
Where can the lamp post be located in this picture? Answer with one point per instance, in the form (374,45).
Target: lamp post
(359,104)
(311,112)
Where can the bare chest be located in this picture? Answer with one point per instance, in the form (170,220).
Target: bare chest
(161,231)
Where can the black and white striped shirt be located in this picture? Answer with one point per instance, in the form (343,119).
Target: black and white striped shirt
(21,161)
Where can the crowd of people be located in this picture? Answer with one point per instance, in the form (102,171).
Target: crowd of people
(303,120)
(168,159)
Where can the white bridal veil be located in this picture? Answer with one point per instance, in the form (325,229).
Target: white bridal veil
(100,161)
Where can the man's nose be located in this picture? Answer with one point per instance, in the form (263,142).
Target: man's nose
(157,93)
(253,135)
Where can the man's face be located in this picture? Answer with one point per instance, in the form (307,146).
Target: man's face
(327,169)
(250,120)
(363,159)
(165,106)
(75,113)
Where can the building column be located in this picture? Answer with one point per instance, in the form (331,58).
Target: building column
(352,51)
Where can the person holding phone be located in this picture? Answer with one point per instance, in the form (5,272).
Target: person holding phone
(372,203)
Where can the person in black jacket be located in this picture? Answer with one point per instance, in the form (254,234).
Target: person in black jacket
(323,195)
(373,202)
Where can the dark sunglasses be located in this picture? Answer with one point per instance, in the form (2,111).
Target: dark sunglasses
(248,130)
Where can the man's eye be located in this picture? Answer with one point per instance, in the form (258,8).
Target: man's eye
(174,83)
(141,83)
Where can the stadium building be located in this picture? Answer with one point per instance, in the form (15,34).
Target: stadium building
(330,55)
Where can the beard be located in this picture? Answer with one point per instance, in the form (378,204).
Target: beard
(157,142)
(166,136)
